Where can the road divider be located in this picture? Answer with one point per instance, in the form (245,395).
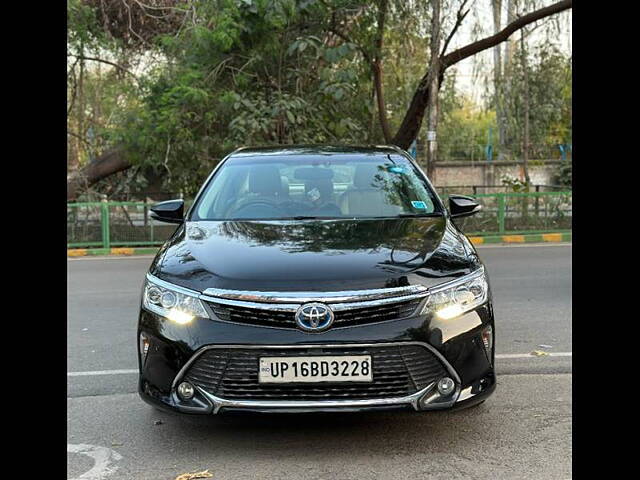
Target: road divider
(526,238)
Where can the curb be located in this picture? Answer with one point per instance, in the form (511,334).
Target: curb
(124,251)
(528,238)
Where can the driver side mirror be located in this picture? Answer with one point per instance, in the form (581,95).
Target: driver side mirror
(463,206)
(170,211)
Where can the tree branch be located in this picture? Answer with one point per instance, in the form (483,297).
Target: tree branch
(102,60)
(488,42)
(412,120)
(106,164)
(459,19)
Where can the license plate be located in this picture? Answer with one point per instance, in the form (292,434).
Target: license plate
(342,368)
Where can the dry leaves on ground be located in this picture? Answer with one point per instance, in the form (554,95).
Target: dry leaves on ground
(194,476)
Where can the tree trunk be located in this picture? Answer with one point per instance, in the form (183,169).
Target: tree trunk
(497,76)
(376,69)
(507,72)
(106,164)
(382,109)
(434,88)
(525,133)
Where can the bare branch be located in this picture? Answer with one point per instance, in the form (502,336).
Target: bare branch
(488,42)
(459,19)
(412,120)
(102,60)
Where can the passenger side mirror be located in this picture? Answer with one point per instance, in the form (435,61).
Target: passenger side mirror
(170,211)
(463,206)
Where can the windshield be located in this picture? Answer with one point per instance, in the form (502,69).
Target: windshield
(295,187)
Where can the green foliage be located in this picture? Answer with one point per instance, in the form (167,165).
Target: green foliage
(550,103)
(514,184)
(563,174)
(242,75)
(463,127)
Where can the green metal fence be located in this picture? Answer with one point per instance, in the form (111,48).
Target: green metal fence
(114,224)
(519,213)
(129,224)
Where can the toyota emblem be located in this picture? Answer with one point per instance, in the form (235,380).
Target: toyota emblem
(314,317)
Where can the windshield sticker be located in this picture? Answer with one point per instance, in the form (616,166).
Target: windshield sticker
(419,204)
(396,169)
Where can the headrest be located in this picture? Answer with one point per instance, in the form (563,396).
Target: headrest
(364,176)
(313,173)
(265,180)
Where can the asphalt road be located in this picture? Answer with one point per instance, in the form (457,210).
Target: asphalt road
(522,431)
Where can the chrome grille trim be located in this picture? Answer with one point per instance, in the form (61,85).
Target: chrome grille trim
(292,307)
(347,296)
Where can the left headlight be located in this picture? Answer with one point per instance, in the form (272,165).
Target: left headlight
(175,303)
(455,298)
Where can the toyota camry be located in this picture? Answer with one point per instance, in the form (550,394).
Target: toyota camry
(316,278)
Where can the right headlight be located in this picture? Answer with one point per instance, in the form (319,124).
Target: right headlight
(457,297)
(175,303)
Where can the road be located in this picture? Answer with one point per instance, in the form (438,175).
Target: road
(522,431)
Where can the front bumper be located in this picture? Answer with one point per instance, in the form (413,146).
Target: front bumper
(174,349)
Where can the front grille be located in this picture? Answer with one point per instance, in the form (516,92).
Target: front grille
(343,318)
(398,371)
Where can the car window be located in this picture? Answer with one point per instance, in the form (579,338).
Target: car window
(287,187)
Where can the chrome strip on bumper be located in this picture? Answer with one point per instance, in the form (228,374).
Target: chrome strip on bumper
(219,403)
(412,399)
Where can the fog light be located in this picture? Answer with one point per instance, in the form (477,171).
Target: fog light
(144,345)
(487,338)
(446,386)
(185,390)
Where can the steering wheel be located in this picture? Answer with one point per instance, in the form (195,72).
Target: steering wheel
(269,207)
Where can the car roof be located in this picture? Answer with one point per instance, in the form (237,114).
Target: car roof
(298,150)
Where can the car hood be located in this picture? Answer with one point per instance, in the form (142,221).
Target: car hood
(314,255)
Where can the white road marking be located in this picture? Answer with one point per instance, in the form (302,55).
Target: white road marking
(528,355)
(103,459)
(499,356)
(102,372)
(109,257)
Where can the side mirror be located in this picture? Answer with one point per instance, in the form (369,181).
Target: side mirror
(171,211)
(463,206)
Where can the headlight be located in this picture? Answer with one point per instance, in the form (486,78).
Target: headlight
(172,302)
(452,299)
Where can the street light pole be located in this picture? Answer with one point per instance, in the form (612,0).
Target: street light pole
(434,68)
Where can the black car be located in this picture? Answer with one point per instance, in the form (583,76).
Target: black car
(316,279)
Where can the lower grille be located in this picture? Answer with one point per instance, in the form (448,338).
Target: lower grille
(343,318)
(398,371)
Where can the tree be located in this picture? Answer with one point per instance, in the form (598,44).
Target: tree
(207,76)
(412,121)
